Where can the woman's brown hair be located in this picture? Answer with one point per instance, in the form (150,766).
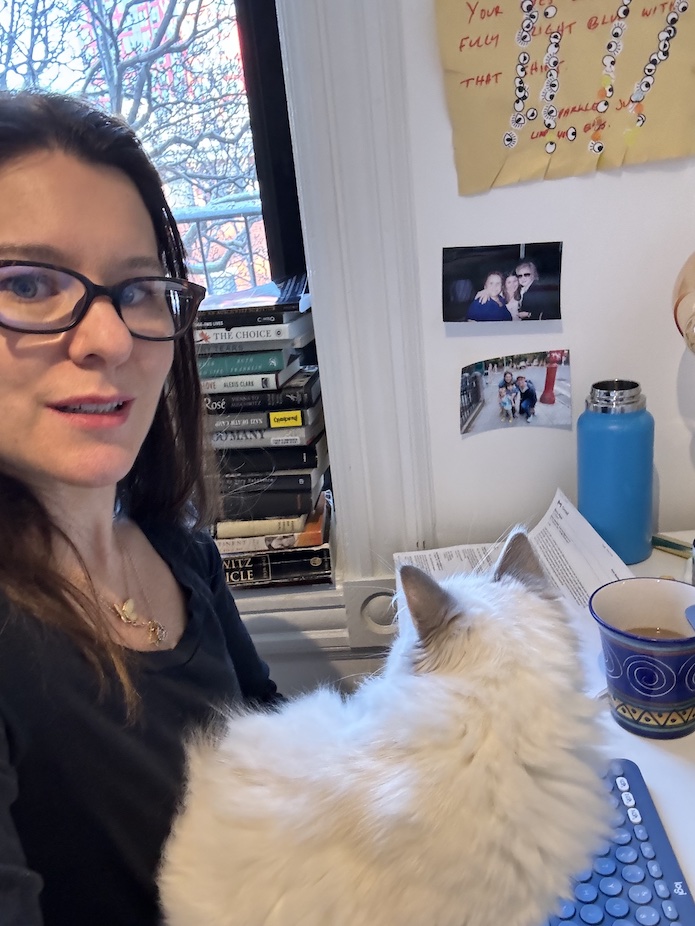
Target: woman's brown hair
(169,481)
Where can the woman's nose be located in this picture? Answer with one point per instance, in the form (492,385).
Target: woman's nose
(102,332)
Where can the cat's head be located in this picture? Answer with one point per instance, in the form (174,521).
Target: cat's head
(470,623)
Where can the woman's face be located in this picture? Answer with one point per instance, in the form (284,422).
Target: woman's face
(493,284)
(511,285)
(76,406)
(508,378)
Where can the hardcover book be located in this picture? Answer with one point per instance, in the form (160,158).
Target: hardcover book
(269,459)
(292,418)
(240,505)
(289,480)
(208,333)
(301,391)
(315,532)
(290,295)
(259,527)
(270,437)
(252,382)
(205,348)
(255,361)
(279,567)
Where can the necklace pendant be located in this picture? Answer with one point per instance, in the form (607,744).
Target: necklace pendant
(157,633)
(126,611)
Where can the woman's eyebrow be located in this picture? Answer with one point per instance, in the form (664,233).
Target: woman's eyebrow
(48,254)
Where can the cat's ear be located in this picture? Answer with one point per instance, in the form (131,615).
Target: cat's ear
(430,605)
(519,561)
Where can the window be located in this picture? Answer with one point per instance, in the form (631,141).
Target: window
(173,70)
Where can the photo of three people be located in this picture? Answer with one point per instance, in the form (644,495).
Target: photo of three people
(502,283)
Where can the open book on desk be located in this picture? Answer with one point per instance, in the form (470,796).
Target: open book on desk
(575,558)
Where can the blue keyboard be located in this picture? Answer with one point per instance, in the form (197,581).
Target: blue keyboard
(635,879)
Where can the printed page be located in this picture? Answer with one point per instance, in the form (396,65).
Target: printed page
(574,557)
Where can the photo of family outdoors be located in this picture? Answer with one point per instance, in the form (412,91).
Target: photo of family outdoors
(502,283)
(516,391)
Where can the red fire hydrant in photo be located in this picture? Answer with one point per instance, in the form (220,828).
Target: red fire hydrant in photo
(551,364)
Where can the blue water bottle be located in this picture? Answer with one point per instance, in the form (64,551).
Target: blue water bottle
(615,455)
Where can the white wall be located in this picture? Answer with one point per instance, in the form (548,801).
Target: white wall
(626,234)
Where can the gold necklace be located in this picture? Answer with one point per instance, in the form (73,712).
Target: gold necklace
(126,610)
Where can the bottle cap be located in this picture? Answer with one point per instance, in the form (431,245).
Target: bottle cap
(616,396)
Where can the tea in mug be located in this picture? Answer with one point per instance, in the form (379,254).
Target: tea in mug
(657,633)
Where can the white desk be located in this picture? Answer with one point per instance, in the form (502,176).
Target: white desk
(668,766)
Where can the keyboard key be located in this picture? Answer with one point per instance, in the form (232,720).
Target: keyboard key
(628,799)
(621,837)
(669,909)
(622,784)
(626,854)
(634,816)
(604,866)
(585,893)
(623,923)
(661,888)
(647,850)
(640,894)
(633,873)
(611,887)
(584,875)
(566,910)
(616,906)
(654,869)
(647,916)
(591,914)
(616,768)
(641,832)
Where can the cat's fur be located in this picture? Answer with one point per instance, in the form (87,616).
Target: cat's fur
(457,788)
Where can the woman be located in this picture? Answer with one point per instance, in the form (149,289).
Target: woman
(488,306)
(118,636)
(512,294)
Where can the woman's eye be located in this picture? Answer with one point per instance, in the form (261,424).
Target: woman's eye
(27,285)
(135,294)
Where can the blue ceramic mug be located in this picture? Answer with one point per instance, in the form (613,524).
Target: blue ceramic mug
(649,654)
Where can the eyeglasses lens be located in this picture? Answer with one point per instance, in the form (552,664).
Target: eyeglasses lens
(46,299)
(38,298)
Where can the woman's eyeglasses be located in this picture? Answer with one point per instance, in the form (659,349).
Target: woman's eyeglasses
(37,298)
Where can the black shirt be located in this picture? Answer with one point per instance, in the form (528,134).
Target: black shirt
(87,799)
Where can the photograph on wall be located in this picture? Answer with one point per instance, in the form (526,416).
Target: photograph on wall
(502,283)
(537,90)
(528,390)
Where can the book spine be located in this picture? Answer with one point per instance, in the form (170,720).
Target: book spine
(299,564)
(224,404)
(269,482)
(256,505)
(306,538)
(241,421)
(257,528)
(244,316)
(267,460)
(256,333)
(258,361)
(284,437)
(243,383)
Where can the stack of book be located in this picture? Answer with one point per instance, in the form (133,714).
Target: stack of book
(263,398)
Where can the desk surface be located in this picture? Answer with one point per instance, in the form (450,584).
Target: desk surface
(668,766)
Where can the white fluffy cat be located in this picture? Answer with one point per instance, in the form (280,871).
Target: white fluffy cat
(460,787)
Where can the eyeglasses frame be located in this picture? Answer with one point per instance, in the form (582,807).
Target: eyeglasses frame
(93,291)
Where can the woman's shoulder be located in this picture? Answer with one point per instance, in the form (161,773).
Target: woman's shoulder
(183,547)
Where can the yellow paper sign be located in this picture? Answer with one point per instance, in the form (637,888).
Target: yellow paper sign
(551,88)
